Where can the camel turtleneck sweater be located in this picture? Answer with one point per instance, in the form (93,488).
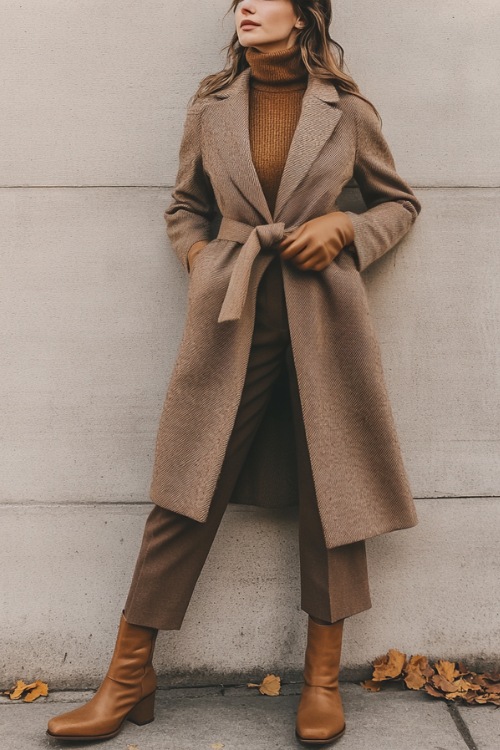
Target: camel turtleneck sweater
(278,81)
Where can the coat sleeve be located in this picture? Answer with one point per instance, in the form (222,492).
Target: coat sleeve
(188,215)
(392,207)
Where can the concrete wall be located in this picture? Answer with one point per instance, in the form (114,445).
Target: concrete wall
(92,307)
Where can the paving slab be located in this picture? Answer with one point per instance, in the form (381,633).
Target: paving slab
(483,724)
(240,718)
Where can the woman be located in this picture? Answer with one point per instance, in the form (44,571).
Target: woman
(278,341)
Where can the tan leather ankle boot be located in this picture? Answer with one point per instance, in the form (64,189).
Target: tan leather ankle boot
(320,715)
(127,691)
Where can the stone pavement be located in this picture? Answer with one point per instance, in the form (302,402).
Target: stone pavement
(240,718)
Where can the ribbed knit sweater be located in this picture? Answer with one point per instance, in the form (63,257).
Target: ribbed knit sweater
(278,81)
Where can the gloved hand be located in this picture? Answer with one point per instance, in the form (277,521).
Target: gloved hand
(314,244)
(193,252)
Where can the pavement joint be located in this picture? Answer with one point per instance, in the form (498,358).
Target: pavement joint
(462,727)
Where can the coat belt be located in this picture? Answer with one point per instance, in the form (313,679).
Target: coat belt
(253,239)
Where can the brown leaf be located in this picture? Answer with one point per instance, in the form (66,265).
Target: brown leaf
(270,685)
(470,698)
(40,688)
(481,698)
(432,691)
(415,680)
(493,676)
(17,690)
(445,679)
(446,669)
(389,666)
(466,685)
(442,683)
(371,685)
(493,687)
(417,661)
(476,679)
(33,690)
(417,671)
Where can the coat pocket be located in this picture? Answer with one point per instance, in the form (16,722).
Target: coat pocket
(200,256)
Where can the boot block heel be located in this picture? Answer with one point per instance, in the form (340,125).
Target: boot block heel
(144,711)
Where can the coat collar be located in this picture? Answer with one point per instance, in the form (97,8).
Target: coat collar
(317,121)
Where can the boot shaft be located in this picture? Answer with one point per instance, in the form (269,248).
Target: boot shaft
(132,657)
(322,657)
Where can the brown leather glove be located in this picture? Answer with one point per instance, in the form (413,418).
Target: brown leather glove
(314,244)
(193,252)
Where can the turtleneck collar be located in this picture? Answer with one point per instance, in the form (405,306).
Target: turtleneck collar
(277,71)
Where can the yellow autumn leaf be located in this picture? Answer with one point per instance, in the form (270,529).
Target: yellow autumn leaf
(17,690)
(446,669)
(32,690)
(415,680)
(465,685)
(270,685)
(389,666)
(39,688)
(417,672)
(481,699)
(442,683)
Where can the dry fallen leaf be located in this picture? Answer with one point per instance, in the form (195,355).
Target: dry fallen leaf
(445,679)
(446,669)
(32,690)
(371,685)
(40,688)
(388,666)
(16,691)
(442,683)
(431,691)
(493,687)
(270,685)
(417,671)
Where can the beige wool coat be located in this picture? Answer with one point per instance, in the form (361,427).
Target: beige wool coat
(360,480)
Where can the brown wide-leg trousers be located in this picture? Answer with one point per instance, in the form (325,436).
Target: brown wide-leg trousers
(334,582)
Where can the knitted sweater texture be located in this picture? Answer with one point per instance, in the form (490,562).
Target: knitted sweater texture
(278,81)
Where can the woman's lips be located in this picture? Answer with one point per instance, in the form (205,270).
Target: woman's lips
(246,26)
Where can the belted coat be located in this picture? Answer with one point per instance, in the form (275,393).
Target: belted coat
(361,485)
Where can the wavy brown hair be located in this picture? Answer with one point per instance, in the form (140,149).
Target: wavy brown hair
(322,56)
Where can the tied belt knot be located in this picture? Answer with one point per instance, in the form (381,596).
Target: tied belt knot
(253,239)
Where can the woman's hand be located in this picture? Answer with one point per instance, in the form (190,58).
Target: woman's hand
(314,244)
(193,252)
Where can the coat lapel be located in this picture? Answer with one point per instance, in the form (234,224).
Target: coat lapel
(317,121)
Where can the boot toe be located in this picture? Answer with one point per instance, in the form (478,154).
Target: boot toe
(319,732)
(320,728)
(63,725)
(84,722)
(320,715)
